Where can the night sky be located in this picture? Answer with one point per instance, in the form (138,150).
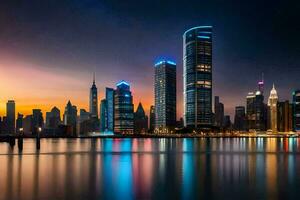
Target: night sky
(49,49)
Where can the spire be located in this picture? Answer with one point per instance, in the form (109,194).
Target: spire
(273,86)
(94,78)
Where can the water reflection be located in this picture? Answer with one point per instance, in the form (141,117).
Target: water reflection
(263,168)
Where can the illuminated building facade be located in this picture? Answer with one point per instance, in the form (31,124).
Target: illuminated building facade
(165,95)
(123,109)
(197,77)
(296,110)
(250,111)
(94,100)
(110,102)
(272,104)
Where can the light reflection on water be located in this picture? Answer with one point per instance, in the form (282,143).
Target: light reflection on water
(232,168)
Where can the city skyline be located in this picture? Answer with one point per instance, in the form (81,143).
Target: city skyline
(43,66)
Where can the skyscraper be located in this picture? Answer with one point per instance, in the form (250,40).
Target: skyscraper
(53,119)
(37,121)
(140,120)
(152,119)
(240,118)
(19,123)
(70,118)
(197,77)
(110,101)
(296,110)
(219,112)
(11,117)
(165,95)
(94,100)
(103,115)
(250,111)
(284,116)
(272,103)
(123,109)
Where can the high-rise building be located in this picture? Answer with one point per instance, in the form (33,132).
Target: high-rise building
(123,109)
(250,115)
(296,110)
(94,100)
(152,119)
(272,103)
(110,101)
(11,117)
(219,112)
(70,118)
(140,120)
(53,119)
(197,77)
(284,116)
(37,121)
(103,115)
(240,118)
(260,112)
(227,122)
(165,95)
(19,123)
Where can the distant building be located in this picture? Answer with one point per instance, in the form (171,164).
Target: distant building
(284,116)
(103,116)
(296,110)
(37,121)
(140,120)
(272,104)
(250,111)
(53,121)
(240,118)
(219,112)
(19,123)
(197,77)
(70,119)
(260,112)
(27,124)
(94,100)
(110,101)
(123,109)
(227,122)
(152,119)
(165,95)
(11,117)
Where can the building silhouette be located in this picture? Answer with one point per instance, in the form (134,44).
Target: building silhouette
(296,110)
(219,112)
(284,116)
(152,119)
(19,123)
(70,119)
(123,109)
(37,121)
(197,77)
(103,116)
(272,104)
(165,95)
(140,120)
(93,104)
(11,117)
(240,118)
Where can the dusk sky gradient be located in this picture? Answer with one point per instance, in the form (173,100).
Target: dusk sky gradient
(49,49)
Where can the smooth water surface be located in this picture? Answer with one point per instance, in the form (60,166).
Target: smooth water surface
(215,168)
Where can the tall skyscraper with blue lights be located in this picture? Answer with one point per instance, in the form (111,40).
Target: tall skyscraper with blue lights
(123,109)
(197,77)
(165,95)
(94,100)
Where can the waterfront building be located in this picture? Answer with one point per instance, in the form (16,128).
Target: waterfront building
(272,104)
(250,111)
(152,119)
(93,104)
(11,117)
(53,119)
(27,124)
(240,118)
(284,116)
(19,123)
(140,120)
(37,121)
(165,95)
(197,77)
(227,122)
(110,101)
(296,110)
(260,112)
(103,116)
(219,112)
(70,119)
(123,111)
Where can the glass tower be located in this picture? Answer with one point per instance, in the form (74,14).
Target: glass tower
(197,77)
(94,100)
(109,96)
(123,109)
(165,94)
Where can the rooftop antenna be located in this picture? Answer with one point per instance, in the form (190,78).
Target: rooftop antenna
(94,78)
